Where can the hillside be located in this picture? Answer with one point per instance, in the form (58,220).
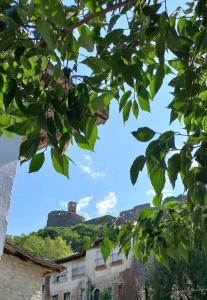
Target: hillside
(58,242)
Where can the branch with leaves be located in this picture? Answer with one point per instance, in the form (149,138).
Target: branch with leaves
(127,65)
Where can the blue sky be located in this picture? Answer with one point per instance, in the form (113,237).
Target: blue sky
(100,182)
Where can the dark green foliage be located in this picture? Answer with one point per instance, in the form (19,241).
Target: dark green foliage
(130,66)
(189,277)
(76,237)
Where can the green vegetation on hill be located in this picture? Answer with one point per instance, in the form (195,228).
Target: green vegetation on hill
(45,247)
(76,236)
(58,242)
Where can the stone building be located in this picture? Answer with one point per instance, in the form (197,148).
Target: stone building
(21,274)
(61,218)
(88,277)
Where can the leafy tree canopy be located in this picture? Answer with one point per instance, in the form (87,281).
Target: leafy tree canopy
(49,248)
(75,237)
(128,48)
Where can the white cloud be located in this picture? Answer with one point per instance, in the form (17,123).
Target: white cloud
(87,158)
(107,204)
(81,204)
(87,168)
(150,192)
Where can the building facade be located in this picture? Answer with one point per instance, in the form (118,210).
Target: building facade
(88,277)
(9,150)
(21,274)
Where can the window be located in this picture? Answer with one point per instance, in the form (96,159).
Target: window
(55,297)
(96,294)
(115,255)
(78,271)
(99,260)
(66,296)
(60,277)
(82,294)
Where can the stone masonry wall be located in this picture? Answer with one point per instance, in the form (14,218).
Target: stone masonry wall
(63,219)
(20,280)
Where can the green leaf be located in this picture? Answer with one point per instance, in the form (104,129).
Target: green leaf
(106,248)
(10,93)
(5,120)
(113,36)
(91,133)
(36,162)
(126,111)
(136,167)
(82,141)
(143,134)
(135,109)
(157,81)
(163,261)
(171,205)
(29,147)
(1,82)
(113,21)
(98,65)
(174,167)
(124,99)
(54,11)
(143,98)
(198,193)
(46,31)
(146,213)
(60,162)
(20,128)
(101,102)
(203,95)
(157,201)
(86,42)
(157,178)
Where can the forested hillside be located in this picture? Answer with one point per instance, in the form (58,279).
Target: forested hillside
(58,242)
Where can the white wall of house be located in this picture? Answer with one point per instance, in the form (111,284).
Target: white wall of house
(101,275)
(20,280)
(9,149)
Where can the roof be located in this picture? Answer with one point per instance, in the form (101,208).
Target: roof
(71,257)
(78,254)
(12,249)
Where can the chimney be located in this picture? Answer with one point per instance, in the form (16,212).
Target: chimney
(72,207)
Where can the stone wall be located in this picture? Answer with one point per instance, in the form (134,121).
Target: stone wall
(20,280)
(60,218)
(9,150)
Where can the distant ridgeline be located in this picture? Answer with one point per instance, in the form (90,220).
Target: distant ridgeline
(61,218)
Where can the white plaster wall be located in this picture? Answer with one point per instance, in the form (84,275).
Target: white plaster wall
(20,280)
(101,278)
(9,150)
(71,285)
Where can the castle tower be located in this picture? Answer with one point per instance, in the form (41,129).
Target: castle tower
(72,207)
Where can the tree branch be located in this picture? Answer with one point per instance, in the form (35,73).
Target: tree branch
(100,13)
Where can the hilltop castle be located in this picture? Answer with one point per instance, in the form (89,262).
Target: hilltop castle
(61,218)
